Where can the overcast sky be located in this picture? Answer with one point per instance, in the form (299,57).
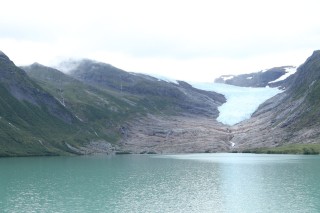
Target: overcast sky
(195,40)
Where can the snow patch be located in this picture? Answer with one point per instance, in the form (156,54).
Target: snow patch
(40,142)
(13,126)
(227,77)
(162,78)
(289,71)
(79,118)
(241,101)
(249,78)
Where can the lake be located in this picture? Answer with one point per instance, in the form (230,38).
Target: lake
(231,183)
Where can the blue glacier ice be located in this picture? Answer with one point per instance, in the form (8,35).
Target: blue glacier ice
(241,101)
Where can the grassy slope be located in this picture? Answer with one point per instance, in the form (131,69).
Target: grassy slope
(32,122)
(101,112)
(306,149)
(307,84)
(26,129)
(105,109)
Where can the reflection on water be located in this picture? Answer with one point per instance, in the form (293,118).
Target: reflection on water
(161,183)
(266,183)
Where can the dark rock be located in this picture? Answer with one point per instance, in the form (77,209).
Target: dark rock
(258,79)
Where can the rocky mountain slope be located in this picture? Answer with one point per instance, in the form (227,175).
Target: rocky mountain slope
(175,134)
(289,118)
(99,111)
(270,77)
(111,104)
(151,92)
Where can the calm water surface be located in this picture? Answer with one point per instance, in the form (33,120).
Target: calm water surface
(232,183)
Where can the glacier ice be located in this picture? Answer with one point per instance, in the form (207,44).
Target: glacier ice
(289,71)
(241,101)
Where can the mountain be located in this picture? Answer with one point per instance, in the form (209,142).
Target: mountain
(32,121)
(151,92)
(96,107)
(274,77)
(134,112)
(288,121)
(99,111)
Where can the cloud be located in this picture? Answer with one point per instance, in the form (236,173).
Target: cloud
(177,38)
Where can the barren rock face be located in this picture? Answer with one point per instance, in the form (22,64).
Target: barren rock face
(176,134)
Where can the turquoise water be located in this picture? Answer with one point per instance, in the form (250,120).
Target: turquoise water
(232,183)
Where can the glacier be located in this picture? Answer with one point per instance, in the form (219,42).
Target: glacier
(289,71)
(241,101)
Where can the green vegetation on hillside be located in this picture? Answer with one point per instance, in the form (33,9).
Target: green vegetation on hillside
(26,129)
(32,121)
(306,85)
(306,149)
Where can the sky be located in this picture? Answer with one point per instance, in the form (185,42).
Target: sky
(192,40)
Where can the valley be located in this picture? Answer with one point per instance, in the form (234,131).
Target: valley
(93,107)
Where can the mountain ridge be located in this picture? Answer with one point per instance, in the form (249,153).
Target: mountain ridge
(101,108)
(269,77)
(142,98)
(33,122)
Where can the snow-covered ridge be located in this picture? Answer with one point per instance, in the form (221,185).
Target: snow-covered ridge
(241,101)
(289,71)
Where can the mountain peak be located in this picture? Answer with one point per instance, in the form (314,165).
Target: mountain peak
(36,64)
(314,57)
(315,54)
(4,56)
